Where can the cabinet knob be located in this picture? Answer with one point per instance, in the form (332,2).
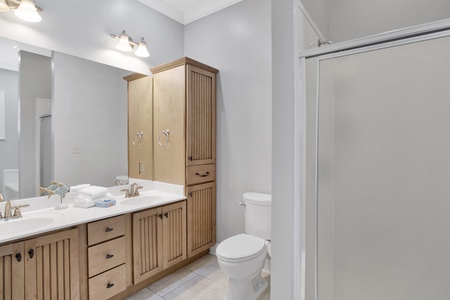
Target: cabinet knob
(31,253)
(160,216)
(108,229)
(166,215)
(19,257)
(108,256)
(109,285)
(190,158)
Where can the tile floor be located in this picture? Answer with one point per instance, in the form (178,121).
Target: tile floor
(200,280)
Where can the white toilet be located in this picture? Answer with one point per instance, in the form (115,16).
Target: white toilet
(243,256)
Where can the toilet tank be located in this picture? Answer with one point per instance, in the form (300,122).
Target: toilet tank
(258,211)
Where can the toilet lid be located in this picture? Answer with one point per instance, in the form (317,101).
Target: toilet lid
(240,247)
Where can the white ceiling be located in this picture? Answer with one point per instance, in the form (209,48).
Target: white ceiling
(186,11)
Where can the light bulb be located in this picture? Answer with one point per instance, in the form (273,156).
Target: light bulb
(124,43)
(27,11)
(142,49)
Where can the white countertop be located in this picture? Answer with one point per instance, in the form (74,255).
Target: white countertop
(38,221)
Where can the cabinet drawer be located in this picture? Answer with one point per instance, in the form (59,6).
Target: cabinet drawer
(200,173)
(106,256)
(105,230)
(108,284)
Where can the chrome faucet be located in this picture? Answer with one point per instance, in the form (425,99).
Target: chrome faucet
(133,191)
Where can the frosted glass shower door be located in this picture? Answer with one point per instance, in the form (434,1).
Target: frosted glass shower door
(383,174)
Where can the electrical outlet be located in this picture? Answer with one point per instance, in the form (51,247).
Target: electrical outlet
(141,167)
(76,150)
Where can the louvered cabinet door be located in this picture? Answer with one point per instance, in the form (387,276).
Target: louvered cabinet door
(52,266)
(201,206)
(12,272)
(147,244)
(201,116)
(174,233)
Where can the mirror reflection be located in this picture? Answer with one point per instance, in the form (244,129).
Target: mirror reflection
(72,125)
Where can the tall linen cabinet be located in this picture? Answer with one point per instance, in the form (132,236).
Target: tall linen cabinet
(184,125)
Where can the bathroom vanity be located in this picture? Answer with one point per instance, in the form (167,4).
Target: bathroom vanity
(95,253)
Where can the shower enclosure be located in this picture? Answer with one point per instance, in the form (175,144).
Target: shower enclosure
(378,172)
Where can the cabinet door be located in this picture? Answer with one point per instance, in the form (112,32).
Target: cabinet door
(201,216)
(52,266)
(140,119)
(174,233)
(12,271)
(169,125)
(201,116)
(147,244)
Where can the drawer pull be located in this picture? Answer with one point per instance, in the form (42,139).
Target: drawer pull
(109,285)
(108,256)
(109,229)
(202,175)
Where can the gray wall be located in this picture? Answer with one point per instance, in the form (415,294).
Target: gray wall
(237,41)
(350,19)
(9,148)
(284,60)
(319,10)
(89,111)
(34,82)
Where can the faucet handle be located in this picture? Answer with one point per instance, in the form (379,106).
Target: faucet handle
(17,212)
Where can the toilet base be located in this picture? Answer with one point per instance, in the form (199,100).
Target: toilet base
(246,290)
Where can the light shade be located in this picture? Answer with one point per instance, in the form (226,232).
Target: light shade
(4,6)
(27,11)
(142,49)
(124,43)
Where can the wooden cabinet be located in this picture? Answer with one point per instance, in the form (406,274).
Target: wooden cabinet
(140,129)
(201,217)
(45,267)
(159,239)
(106,257)
(52,266)
(185,142)
(12,276)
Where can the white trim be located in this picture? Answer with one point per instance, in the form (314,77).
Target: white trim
(310,20)
(379,38)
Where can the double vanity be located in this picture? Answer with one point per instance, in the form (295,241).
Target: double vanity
(110,253)
(94,253)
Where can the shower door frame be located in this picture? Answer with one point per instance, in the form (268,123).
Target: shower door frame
(411,35)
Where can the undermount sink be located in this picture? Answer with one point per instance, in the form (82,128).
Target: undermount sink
(140,200)
(24,224)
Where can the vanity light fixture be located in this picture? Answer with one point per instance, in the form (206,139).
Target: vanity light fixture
(127,44)
(24,9)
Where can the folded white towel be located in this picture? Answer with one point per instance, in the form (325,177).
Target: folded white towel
(83,202)
(93,191)
(76,188)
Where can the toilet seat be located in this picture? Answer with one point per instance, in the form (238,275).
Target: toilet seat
(241,247)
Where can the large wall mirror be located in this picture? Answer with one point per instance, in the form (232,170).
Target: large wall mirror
(65,119)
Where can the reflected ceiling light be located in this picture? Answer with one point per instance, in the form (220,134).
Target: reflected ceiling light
(24,9)
(127,44)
